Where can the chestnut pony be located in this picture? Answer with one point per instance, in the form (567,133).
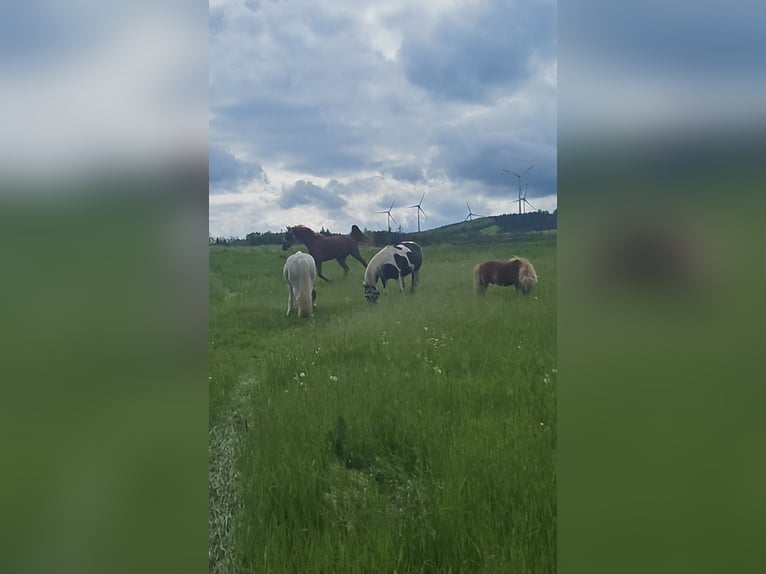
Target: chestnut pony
(326,247)
(516,271)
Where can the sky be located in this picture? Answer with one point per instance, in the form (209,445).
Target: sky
(324,112)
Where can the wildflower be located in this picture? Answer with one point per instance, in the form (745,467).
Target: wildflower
(437,370)
(333,378)
(302,375)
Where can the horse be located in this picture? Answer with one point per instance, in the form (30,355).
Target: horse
(323,248)
(392,262)
(517,271)
(300,272)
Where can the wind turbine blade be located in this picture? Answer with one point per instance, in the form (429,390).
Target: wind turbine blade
(529,204)
(528,169)
(421,198)
(421,211)
(468,206)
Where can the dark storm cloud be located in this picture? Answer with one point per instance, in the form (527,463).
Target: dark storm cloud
(306,193)
(467,55)
(303,137)
(469,154)
(409,172)
(227,172)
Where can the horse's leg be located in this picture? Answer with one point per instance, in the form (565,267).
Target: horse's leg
(385,289)
(289,298)
(358,257)
(342,261)
(401,282)
(319,270)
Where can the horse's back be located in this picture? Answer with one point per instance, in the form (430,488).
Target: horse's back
(503,273)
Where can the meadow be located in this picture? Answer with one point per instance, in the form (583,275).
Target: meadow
(414,435)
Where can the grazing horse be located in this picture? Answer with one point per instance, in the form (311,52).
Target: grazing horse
(324,248)
(392,262)
(300,272)
(516,271)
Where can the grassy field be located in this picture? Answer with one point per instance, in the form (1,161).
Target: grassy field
(415,435)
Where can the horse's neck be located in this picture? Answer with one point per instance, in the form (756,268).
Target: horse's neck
(308,240)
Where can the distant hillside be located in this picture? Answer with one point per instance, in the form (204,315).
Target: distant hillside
(481,230)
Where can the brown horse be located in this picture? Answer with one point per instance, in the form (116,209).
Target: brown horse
(516,271)
(326,247)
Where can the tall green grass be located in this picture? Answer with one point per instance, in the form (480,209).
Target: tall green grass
(415,435)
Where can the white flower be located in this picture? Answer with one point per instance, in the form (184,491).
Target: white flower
(333,378)
(302,375)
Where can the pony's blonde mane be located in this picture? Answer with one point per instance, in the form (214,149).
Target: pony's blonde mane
(527,274)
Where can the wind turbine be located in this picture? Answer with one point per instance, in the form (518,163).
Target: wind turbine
(471,214)
(523,199)
(420,210)
(390,217)
(519,176)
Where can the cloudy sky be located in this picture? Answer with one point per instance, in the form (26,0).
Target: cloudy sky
(323,112)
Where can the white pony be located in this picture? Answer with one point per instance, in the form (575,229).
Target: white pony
(300,271)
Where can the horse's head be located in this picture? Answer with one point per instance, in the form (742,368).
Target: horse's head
(356,234)
(371,293)
(288,240)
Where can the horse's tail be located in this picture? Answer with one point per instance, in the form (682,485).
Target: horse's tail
(305,286)
(357,234)
(527,276)
(478,284)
